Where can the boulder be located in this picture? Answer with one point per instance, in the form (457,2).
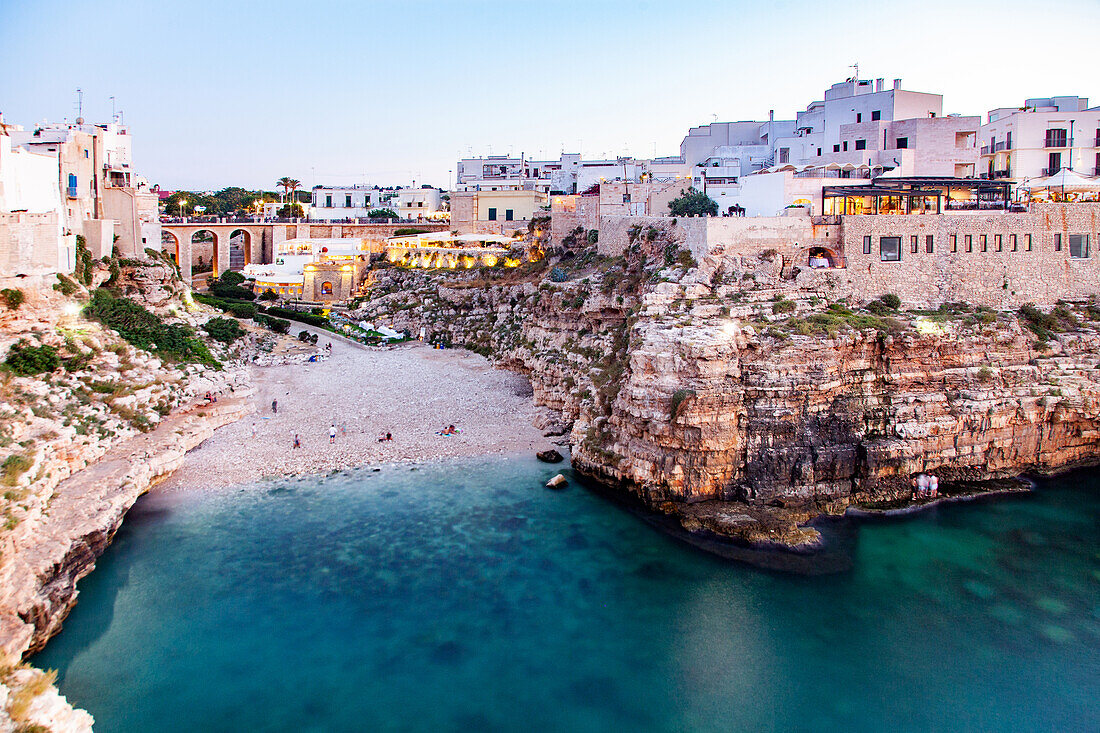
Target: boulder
(550,455)
(557,482)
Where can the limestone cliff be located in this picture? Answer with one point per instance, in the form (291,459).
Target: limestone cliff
(737,406)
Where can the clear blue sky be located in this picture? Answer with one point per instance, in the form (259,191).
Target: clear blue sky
(242,93)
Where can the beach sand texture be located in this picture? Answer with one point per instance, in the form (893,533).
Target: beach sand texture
(411,391)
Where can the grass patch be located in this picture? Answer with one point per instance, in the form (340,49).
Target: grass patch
(146,330)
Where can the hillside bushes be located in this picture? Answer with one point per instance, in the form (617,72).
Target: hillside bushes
(145,330)
(26,360)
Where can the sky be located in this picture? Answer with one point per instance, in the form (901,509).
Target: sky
(242,93)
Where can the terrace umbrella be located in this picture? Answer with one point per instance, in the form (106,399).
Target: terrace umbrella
(1066,181)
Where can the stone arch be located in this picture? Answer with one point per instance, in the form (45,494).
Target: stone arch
(240,248)
(816,253)
(217,260)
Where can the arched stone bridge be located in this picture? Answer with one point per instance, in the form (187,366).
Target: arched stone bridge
(262,239)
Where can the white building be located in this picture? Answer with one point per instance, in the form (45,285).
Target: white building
(1040,138)
(569,174)
(337,203)
(419,204)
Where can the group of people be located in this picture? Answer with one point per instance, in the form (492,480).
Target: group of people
(926,486)
(449,430)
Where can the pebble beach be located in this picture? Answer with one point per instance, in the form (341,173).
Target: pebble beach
(410,391)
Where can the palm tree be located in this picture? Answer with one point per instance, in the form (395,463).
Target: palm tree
(285,183)
(294,184)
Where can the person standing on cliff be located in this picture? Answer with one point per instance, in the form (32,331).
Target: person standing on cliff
(275,407)
(332,434)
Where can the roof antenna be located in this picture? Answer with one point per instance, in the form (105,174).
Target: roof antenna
(79,106)
(856,67)
(114,115)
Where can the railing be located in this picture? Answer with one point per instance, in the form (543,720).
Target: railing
(999,147)
(72,192)
(1051,142)
(285,220)
(1050,171)
(1002,174)
(985,150)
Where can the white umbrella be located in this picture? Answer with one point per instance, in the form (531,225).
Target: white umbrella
(1067,180)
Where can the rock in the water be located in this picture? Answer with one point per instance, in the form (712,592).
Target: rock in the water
(557,482)
(550,456)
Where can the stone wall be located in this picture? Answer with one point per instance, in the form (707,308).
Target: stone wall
(980,258)
(31,246)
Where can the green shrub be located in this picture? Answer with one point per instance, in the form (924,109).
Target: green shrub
(83,270)
(558,275)
(593,236)
(408,231)
(26,360)
(242,310)
(12,468)
(677,401)
(308,318)
(382,214)
(783,306)
(66,285)
(891,301)
(269,294)
(225,330)
(278,325)
(1044,325)
(985,374)
(145,330)
(12,297)
(229,277)
(230,292)
(303,335)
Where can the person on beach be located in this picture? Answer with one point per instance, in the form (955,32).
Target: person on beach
(922,485)
(332,434)
(275,407)
(253,430)
(385,438)
(933,486)
(297,443)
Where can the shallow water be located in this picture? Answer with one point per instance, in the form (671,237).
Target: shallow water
(466,597)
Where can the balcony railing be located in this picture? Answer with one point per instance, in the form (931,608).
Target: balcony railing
(999,147)
(985,150)
(1050,171)
(1054,143)
(72,192)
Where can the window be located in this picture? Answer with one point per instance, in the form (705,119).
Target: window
(508,215)
(1054,163)
(876,115)
(836,148)
(1079,245)
(997,242)
(928,242)
(85,153)
(984,239)
(889,249)
(859,117)
(492,214)
(866,245)
(347,201)
(326,288)
(1012,241)
(861,144)
(914,244)
(954,242)
(1056,138)
(626,198)
(784,155)
(969,241)
(328,201)
(1008,140)
(1097,157)
(902,143)
(1027,242)
(1057,242)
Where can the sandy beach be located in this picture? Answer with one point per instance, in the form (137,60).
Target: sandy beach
(411,391)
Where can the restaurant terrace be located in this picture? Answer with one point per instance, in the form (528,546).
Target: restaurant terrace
(916,195)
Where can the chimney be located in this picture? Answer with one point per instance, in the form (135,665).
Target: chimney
(897,84)
(771,115)
(879,84)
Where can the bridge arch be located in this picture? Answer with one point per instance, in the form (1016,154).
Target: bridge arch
(217,260)
(240,249)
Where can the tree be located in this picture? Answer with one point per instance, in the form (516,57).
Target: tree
(693,203)
(291,211)
(382,214)
(289,186)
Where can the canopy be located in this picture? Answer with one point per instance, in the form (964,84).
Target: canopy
(1066,180)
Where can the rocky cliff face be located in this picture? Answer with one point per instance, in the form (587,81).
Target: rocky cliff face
(81,439)
(716,396)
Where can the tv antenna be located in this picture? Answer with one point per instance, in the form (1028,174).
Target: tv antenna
(79,106)
(855,66)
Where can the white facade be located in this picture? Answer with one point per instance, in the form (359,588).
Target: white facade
(334,203)
(419,204)
(1041,138)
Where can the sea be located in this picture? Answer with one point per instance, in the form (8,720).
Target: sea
(465,596)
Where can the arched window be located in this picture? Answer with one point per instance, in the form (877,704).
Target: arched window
(326,288)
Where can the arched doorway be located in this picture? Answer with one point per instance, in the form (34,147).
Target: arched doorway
(170,244)
(204,252)
(240,249)
(824,258)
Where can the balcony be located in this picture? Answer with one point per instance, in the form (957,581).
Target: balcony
(72,192)
(1002,145)
(1002,174)
(986,150)
(1050,171)
(1054,142)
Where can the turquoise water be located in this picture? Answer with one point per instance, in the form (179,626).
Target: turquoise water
(467,597)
